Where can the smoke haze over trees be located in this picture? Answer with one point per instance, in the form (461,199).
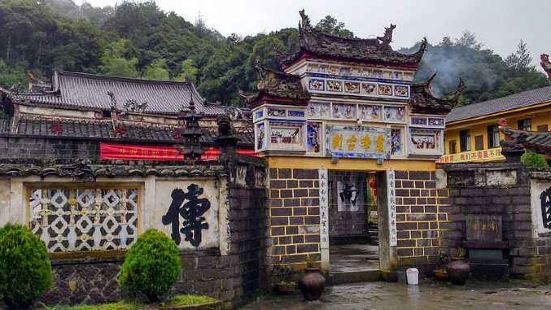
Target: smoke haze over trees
(137,39)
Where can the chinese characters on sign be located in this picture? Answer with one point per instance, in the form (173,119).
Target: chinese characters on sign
(358,142)
(191,208)
(324,215)
(391,194)
(474,156)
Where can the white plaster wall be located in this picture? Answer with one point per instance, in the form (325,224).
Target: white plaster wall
(154,202)
(536,188)
(5,197)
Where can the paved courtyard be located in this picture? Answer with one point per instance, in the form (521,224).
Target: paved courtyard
(427,296)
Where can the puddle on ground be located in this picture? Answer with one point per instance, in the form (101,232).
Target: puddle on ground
(426,296)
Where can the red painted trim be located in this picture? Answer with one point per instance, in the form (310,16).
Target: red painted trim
(110,151)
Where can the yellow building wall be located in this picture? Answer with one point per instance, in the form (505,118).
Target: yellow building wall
(540,115)
(349,164)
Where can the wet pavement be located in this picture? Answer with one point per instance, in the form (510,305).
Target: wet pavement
(426,296)
(353,257)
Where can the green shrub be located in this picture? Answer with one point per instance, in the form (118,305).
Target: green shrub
(151,266)
(25,268)
(534,160)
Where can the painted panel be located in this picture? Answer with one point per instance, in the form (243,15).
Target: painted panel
(260,136)
(334,85)
(352,87)
(344,111)
(395,114)
(314,137)
(358,142)
(316,84)
(369,89)
(370,112)
(318,110)
(286,136)
(274,112)
(396,144)
(425,141)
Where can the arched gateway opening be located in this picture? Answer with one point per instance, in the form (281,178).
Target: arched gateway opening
(342,114)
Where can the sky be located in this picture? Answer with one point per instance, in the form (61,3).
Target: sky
(499,24)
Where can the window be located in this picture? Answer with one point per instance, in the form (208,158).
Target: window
(479,142)
(464,140)
(543,128)
(525,124)
(493,136)
(452,147)
(84,218)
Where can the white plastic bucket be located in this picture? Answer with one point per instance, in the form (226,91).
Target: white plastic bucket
(412,276)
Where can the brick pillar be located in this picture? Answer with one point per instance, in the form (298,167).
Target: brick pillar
(420,207)
(294,217)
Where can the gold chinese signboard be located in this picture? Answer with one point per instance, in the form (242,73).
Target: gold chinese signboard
(358,142)
(473,156)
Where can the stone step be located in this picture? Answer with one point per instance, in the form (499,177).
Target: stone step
(336,278)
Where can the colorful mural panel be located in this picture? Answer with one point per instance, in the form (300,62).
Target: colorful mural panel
(358,142)
(352,87)
(438,122)
(344,111)
(395,114)
(396,147)
(334,85)
(316,85)
(370,112)
(286,136)
(318,110)
(369,88)
(385,90)
(260,137)
(425,141)
(313,138)
(276,112)
(401,91)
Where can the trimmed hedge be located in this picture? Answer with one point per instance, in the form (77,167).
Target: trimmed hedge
(151,266)
(25,268)
(534,160)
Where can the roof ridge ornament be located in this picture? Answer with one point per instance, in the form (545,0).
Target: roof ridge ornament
(386,39)
(546,64)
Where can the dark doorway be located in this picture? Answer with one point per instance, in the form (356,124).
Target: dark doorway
(353,222)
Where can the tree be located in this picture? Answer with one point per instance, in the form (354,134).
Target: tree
(157,71)
(188,72)
(331,25)
(116,60)
(519,61)
(12,76)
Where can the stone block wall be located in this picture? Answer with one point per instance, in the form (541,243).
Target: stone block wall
(503,190)
(41,149)
(294,218)
(421,210)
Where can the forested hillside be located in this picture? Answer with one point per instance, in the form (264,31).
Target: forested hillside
(137,39)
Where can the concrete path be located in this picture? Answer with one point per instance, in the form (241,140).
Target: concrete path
(427,296)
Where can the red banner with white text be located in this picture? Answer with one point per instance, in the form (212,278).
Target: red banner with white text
(110,151)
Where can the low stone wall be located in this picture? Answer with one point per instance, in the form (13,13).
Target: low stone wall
(504,190)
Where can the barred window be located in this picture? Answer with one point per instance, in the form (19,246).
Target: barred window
(84,218)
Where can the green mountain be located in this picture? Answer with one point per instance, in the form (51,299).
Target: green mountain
(138,39)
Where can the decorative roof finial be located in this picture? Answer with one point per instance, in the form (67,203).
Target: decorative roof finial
(546,64)
(305,21)
(386,39)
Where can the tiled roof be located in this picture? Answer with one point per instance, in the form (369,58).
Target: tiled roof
(367,50)
(89,91)
(539,142)
(103,130)
(423,101)
(515,101)
(279,85)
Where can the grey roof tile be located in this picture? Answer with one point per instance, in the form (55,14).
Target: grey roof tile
(515,101)
(89,91)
